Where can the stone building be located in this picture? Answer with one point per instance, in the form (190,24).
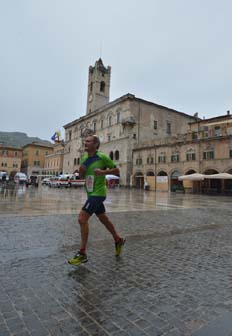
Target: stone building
(205,148)
(10,159)
(122,125)
(53,164)
(33,158)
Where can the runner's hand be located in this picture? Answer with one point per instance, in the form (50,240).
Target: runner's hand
(99,172)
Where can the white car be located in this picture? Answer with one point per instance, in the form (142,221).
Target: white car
(64,180)
(53,182)
(4,176)
(76,181)
(20,178)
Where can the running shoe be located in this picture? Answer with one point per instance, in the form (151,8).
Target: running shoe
(119,246)
(78,259)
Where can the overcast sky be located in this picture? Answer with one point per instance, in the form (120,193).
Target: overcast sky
(177,53)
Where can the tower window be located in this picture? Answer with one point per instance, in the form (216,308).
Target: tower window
(102,86)
(102,123)
(91,86)
(110,121)
(118,117)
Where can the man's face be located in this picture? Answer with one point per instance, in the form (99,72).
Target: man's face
(90,145)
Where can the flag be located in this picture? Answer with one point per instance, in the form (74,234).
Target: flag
(56,136)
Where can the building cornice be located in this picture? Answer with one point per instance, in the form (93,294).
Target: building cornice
(121,99)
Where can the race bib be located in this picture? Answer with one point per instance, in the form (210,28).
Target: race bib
(89,183)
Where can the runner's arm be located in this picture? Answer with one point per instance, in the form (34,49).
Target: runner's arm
(113,171)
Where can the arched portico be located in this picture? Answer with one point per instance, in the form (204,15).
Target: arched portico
(162,181)
(138,180)
(211,186)
(150,179)
(175,184)
(228,184)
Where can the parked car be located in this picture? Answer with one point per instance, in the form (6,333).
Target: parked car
(20,178)
(46,181)
(53,182)
(76,181)
(64,180)
(4,176)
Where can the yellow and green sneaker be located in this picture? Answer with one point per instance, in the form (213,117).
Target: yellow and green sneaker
(78,259)
(119,246)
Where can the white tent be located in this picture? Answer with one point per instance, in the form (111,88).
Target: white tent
(192,177)
(112,177)
(221,176)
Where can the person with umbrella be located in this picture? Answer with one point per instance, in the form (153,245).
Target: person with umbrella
(94,166)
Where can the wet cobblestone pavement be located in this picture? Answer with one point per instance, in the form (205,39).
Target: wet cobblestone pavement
(174,277)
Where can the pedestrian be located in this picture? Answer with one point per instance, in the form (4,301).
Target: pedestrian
(94,166)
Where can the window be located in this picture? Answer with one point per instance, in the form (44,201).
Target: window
(16,153)
(109,137)
(134,136)
(78,161)
(208,155)
(175,158)
(91,86)
(94,126)
(162,158)
(111,155)
(217,131)
(116,155)
(75,162)
(102,124)
(168,130)
(190,157)
(110,120)
(102,86)
(194,135)
(4,164)
(155,125)
(118,117)
(70,135)
(37,163)
(148,160)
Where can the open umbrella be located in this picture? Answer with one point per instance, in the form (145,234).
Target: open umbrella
(221,176)
(192,177)
(112,177)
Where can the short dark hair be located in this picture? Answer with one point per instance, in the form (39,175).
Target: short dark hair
(96,140)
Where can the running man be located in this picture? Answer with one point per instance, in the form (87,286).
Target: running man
(94,166)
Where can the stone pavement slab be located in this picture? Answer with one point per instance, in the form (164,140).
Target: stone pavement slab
(174,277)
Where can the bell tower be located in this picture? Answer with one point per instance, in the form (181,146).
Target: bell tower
(98,86)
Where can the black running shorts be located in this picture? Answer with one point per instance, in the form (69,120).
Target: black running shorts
(94,204)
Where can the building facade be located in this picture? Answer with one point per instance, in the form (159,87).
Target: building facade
(10,159)
(205,148)
(122,125)
(33,158)
(54,162)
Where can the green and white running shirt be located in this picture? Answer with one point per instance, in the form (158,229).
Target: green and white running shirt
(96,185)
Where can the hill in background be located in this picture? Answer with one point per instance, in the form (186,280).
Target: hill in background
(19,139)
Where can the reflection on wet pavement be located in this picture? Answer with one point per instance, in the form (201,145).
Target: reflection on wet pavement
(20,200)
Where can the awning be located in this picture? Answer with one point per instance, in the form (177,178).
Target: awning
(112,177)
(201,177)
(221,176)
(192,177)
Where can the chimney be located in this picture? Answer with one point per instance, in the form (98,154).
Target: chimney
(228,112)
